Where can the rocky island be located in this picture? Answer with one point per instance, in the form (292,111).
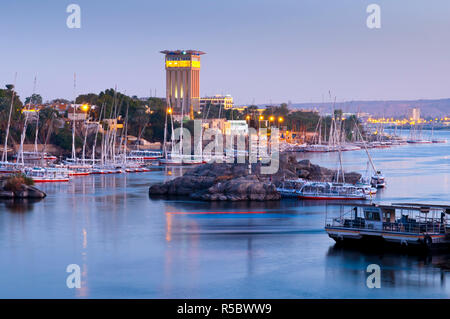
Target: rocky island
(236,182)
(19,186)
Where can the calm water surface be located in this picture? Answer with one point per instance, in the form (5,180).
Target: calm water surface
(130,246)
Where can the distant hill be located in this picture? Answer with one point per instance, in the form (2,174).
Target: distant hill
(384,108)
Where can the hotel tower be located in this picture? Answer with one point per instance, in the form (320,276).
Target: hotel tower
(183,80)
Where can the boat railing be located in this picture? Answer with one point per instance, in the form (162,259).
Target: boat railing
(434,226)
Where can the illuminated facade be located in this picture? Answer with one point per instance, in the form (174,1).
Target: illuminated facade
(183,80)
(225,101)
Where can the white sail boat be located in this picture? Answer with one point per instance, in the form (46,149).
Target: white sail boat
(377,179)
(5,166)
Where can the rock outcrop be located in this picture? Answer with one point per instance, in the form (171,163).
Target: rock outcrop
(19,190)
(235,182)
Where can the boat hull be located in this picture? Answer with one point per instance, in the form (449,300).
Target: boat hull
(354,236)
(50,180)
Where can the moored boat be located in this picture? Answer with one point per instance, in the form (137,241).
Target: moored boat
(47,175)
(420,225)
(331,191)
(36,156)
(378,180)
(291,188)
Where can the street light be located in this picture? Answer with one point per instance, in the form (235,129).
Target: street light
(85,107)
(280,120)
(261,118)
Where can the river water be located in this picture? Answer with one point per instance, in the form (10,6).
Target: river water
(130,246)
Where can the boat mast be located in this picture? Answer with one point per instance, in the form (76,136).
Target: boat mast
(5,147)
(126,135)
(74,114)
(165,130)
(96,134)
(338,139)
(365,148)
(36,133)
(181,128)
(84,142)
(116,116)
(22,137)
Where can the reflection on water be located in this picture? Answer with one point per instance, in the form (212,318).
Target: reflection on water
(399,270)
(131,246)
(19,205)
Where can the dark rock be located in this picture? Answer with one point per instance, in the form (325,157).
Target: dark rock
(303,173)
(23,191)
(6,194)
(352,177)
(33,192)
(234,182)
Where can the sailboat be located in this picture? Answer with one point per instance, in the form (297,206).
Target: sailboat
(47,174)
(365,183)
(176,157)
(5,166)
(337,190)
(436,140)
(377,180)
(317,145)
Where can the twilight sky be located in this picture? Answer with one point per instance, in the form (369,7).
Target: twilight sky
(257,50)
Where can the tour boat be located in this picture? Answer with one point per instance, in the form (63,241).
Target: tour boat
(365,185)
(105,169)
(418,141)
(318,148)
(349,147)
(9,168)
(144,155)
(289,147)
(98,171)
(47,175)
(366,188)
(419,225)
(79,170)
(438,141)
(176,159)
(35,156)
(79,173)
(331,191)
(378,180)
(291,188)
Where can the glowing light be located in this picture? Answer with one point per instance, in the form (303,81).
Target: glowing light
(271,118)
(85,107)
(169,110)
(261,118)
(280,119)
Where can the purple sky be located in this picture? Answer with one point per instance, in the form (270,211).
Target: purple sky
(257,50)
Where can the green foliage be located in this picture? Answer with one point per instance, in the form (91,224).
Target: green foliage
(63,138)
(34,99)
(302,121)
(277,111)
(145,117)
(14,183)
(16,115)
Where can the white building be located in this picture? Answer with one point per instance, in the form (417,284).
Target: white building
(239,127)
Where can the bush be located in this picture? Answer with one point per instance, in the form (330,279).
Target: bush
(15,182)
